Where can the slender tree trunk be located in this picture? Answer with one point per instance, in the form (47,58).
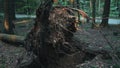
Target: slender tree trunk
(99,3)
(78,6)
(118,7)
(12,9)
(93,12)
(99,7)
(73,3)
(91,5)
(106,13)
(8,24)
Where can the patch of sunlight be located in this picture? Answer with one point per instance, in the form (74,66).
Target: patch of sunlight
(23,22)
(6,25)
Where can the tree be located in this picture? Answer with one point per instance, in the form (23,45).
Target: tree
(98,7)
(118,7)
(78,3)
(12,9)
(106,13)
(8,18)
(73,3)
(51,37)
(93,12)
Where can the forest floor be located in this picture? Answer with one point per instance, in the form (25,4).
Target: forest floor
(100,40)
(97,39)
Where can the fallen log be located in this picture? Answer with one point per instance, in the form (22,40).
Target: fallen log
(14,39)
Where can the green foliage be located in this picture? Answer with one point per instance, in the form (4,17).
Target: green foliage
(29,6)
(1,6)
(26,6)
(22,6)
(116,66)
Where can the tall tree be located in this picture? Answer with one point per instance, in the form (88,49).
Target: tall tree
(106,13)
(12,9)
(78,6)
(93,12)
(118,7)
(73,2)
(8,24)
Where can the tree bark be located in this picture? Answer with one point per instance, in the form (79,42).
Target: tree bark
(93,12)
(12,9)
(118,7)
(73,3)
(8,24)
(106,13)
(78,8)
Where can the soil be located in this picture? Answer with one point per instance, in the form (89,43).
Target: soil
(100,40)
(10,55)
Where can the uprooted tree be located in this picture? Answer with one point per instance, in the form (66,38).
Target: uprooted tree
(51,42)
(51,37)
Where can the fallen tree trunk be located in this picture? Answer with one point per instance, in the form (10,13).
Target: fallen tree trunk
(12,39)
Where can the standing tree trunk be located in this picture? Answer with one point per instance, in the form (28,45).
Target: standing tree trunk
(106,13)
(78,6)
(8,24)
(12,9)
(118,7)
(90,6)
(73,3)
(99,2)
(93,12)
